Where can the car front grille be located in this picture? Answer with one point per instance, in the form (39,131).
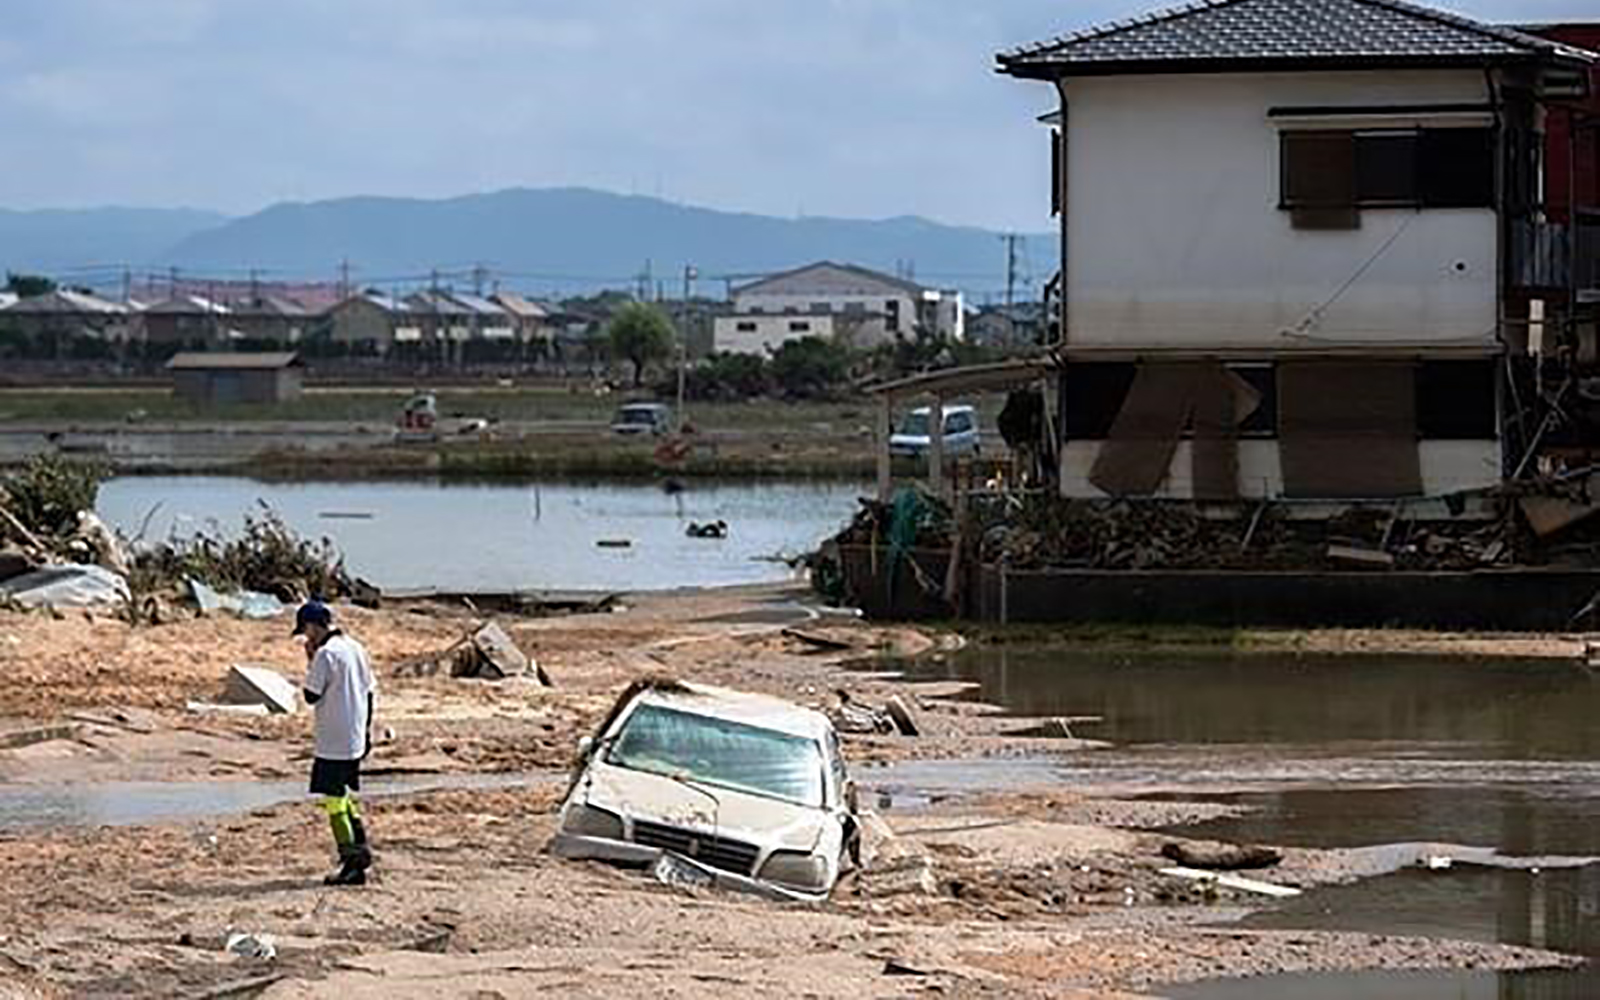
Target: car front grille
(719,852)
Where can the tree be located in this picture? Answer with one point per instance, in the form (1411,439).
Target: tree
(810,368)
(640,333)
(28,285)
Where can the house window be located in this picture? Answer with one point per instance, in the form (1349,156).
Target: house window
(745,327)
(892,307)
(800,327)
(855,308)
(1328,175)
(821,308)
(1093,394)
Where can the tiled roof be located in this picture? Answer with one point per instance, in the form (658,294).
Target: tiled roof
(1381,32)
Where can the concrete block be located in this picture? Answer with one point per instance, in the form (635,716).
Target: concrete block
(254,685)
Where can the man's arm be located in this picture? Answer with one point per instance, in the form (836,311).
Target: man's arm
(316,678)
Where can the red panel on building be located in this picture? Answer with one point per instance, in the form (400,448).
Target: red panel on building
(1572,170)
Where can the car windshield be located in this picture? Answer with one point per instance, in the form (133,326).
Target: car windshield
(915,424)
(637,415)
(712,751)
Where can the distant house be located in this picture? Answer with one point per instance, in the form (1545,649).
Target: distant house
(186,320)
(488,320)
(219,379)
(444,320)
(1309,245)
(373,324)
(1005,327)
(65,315)
(274,319)
(839,302)
(528,317)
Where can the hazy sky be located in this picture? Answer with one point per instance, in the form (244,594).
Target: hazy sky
(822,107)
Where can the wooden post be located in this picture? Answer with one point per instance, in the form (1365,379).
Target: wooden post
(936,446)
(885,461)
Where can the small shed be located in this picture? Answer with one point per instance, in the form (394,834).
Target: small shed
(219,379)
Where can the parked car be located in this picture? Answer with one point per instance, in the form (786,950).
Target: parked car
(642,418)
(960,432)
(724,788)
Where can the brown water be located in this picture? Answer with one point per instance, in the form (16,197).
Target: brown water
(1355,752)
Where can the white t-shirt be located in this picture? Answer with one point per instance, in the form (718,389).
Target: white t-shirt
(341,675)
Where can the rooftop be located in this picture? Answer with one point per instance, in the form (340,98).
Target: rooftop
(1268,34)
(221,360)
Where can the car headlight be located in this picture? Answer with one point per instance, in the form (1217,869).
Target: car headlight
(808,872)
(590,821)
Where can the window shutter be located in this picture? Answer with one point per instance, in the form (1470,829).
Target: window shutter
(1318,179)
(1457,168)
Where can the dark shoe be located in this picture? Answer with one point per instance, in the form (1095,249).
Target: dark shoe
(347,875)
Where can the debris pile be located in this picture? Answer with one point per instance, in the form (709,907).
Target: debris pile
(1039,532)
(267,558)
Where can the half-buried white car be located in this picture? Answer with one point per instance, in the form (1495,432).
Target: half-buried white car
(714,787)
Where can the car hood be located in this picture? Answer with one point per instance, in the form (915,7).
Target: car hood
(770,823)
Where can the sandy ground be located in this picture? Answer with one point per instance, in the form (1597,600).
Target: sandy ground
(1027,893)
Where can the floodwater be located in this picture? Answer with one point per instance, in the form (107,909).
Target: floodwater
(133,803)
(483,538)
(1356,752)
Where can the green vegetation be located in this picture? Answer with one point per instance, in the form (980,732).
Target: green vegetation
(641,333)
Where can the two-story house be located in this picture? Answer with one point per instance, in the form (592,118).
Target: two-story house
(1301,232)
(841,302)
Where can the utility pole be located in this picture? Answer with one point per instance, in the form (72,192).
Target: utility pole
(1011,240)
(344,279)
(480,274)
(689,274)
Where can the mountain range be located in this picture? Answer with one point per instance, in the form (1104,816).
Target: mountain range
(571,238)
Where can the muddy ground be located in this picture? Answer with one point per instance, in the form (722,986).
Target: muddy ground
(1022,893)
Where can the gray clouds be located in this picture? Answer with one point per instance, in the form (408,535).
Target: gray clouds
(836,107)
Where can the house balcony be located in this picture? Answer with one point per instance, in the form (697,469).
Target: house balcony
(1557,259)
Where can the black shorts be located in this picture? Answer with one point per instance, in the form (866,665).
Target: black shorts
(335,777)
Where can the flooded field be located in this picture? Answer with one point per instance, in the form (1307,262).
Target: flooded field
(562,536)
(1356,752)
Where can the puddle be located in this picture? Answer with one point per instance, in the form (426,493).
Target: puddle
(133,803)
(1392,755)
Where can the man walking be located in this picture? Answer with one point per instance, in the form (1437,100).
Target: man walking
(339,685)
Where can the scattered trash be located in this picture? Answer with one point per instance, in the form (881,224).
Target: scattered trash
(1233,882)
(244,603)
(1437,862)
(69,586)
(257,946)
(900,713)
(1220,857)
(255,685)
(1360,556)
(615,543)
(711,529)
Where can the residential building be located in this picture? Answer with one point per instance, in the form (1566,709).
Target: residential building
(838,302)
(270,319)
(372,324)
(1009,327)
(63,315)
(528,317)
(186,321)
(488,320)
(219,379)
(1293,273)
(444,320)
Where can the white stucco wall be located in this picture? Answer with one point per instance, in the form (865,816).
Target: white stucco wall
(1177,240)
(770,332)
(1447,467)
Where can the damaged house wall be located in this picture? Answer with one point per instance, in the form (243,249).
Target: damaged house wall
(1182,239)
(1301,429)
(1301,306)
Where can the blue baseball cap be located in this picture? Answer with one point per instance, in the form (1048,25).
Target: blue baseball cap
(312,613)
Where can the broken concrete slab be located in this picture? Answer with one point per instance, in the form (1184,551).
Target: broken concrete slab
(1220,857)
(490,654)
(248,684)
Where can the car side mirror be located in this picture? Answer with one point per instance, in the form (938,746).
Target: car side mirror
(585,747)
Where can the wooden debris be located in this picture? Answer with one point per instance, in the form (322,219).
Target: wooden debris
(817,640)
(1548,515)
(1220,857)
(1233,882)
(1360,557)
